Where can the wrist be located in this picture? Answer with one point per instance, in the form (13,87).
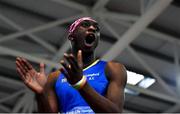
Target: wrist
(85,87)
(80,84)
(39,93)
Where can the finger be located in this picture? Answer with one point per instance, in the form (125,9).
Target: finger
(28,67)
(25,75)
(22,64)
(27,64)
(65,65)
(17,59)
(21,74)
(23,71)
(41,67)
(79,59)
(28,78)
(65,73)
(71,59)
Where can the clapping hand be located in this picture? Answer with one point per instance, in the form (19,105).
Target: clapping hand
(73,68)
(33,79)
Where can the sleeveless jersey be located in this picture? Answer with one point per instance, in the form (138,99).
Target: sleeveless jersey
(70,100)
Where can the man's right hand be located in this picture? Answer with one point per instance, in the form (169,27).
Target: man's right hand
(34,80)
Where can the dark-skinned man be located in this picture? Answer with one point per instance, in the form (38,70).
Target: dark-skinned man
(84,84)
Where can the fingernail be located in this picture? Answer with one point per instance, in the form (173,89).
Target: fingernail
(41,64)
(69,66)
(61,61)
(71,55)
(65,54)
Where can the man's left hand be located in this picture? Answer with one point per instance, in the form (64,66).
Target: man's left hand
(73,68)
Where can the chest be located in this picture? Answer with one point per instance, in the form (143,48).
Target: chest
(96,80)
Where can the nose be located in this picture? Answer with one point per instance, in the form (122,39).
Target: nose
(92,28)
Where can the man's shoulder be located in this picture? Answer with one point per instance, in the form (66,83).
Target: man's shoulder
(115,64)
(116,71)
(52,77)
(54,74)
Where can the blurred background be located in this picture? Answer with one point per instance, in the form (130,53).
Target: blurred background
(144,35)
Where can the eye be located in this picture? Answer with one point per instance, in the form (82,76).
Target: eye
(96,26)
(85,24)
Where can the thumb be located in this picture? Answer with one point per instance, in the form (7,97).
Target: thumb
(41,67)
(79,59)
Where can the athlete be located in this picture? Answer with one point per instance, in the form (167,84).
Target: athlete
(84,84)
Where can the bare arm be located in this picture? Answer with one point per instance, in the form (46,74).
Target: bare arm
(39,84)
(113,101)
(47,101)
(114,98)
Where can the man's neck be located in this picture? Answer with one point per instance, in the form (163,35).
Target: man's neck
(88,58)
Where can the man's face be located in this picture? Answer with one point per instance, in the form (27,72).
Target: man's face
(86,36)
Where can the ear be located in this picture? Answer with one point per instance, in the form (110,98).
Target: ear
(70,38)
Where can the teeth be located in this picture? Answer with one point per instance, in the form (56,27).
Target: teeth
(91,35)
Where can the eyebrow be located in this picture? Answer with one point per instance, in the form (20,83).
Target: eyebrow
(92,22)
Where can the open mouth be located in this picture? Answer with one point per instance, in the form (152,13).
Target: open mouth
(90,39)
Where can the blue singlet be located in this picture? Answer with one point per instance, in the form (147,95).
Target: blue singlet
(69,99)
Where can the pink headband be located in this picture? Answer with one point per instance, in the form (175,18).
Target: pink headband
(77,22)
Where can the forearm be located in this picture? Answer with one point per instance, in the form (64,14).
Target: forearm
(96,101)
(42,103)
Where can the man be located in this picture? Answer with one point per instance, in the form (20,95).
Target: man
(84,84)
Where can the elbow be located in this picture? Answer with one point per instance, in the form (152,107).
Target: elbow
(54,110)
(108,110)
(117,110)
(113,110)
